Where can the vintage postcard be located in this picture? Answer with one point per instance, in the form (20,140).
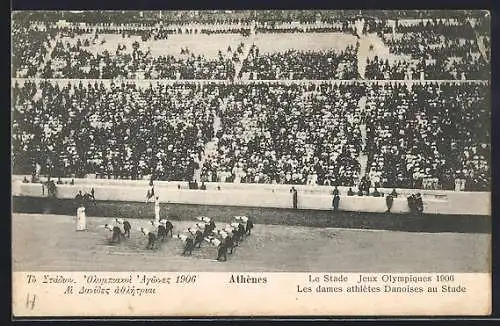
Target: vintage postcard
(251,163)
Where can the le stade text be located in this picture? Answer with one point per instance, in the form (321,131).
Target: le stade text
(327,278)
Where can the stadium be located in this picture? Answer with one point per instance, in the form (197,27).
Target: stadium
(352,140)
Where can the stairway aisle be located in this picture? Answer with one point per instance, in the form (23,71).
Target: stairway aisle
(210,147)
(482,49)
(363,158)
(246,50)
(48,55)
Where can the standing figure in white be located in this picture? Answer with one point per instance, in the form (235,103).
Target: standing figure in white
(81,220)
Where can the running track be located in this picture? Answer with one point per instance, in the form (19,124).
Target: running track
(50,243)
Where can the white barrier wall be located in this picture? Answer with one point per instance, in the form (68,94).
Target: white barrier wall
(85,184)
(460,203)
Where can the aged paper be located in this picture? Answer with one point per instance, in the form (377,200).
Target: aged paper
(251,163)
(268,294)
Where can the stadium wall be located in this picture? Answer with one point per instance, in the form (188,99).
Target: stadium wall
(260,195)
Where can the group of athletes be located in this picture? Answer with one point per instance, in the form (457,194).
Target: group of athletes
(225,238)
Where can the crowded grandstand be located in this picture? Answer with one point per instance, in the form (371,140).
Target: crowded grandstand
(287,97)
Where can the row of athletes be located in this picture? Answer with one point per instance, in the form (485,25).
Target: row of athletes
(225,239)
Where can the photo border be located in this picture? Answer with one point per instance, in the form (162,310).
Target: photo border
(152,5)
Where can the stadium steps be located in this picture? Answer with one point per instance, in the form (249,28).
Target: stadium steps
(246,50)
(210,147)
(482,48)
(363,162)
(362,126)
(363,53)
(379,49)
(217,123)
(363,158)
(50,49)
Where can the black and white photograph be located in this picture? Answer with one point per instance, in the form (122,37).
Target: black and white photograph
(237,141)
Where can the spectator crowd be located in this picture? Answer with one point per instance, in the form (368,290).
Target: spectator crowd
(439,49)
(74,61)
(431,131)
(292,134)
(297,65)
(268,121)
(434,49)
(295,133)
(118,130)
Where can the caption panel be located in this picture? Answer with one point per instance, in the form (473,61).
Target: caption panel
(241,294)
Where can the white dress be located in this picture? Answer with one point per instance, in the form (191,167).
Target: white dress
(81,220)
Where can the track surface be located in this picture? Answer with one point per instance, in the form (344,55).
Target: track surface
(50,243)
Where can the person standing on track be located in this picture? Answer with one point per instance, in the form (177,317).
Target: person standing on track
(335,202)
(294,197)
(419,204)
(388,201)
